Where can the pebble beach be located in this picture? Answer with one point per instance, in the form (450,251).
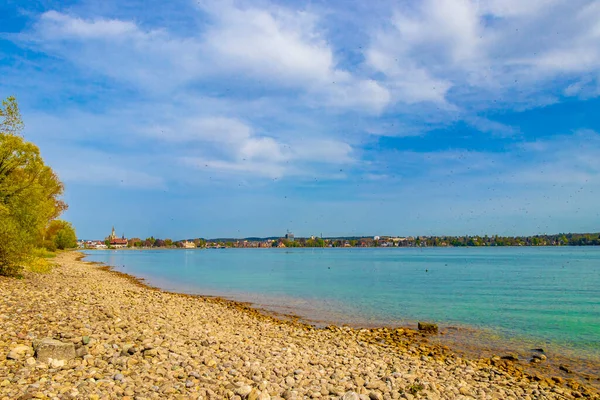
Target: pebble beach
(83,331)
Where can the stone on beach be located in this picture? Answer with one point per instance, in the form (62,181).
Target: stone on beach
(49,348)
(19,352)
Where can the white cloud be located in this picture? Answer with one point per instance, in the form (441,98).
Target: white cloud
(153,60)
(61,26)
(477,51)
(273,47)
(232,146)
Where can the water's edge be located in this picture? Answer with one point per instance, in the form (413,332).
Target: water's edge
(465,340)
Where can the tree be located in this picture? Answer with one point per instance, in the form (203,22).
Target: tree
(29,191)
(61,234)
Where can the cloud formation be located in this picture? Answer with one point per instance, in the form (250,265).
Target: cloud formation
(397,104)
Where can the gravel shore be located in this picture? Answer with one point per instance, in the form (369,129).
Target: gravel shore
(116,338)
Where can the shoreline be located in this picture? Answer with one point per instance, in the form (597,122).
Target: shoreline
(471,342)
(224,342)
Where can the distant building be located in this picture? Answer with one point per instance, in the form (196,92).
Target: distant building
(188,245)
(289,236)
(115,241)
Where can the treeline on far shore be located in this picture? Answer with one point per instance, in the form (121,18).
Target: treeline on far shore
(566,239)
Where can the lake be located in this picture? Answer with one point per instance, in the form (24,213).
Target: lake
(538,296)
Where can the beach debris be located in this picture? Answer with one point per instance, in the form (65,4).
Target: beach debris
(427,327)
(49,348)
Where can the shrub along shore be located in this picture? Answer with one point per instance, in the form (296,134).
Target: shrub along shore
(84,331)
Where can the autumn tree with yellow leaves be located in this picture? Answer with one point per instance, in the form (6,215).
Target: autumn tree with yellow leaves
(30,192)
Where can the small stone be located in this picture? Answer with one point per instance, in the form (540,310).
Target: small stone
(210,363)
(30,361)
(150,353)
(464,391)
(85,340)
(81,351)
(189,384)
(56,363)
(5,383)
(565,368)
(350,396)
(375,396)
(19,352)
(253,395)
(118,377)
(264,395)
(541,357)
(243,391)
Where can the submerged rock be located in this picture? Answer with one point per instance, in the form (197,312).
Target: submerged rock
(511,357)
(428,327)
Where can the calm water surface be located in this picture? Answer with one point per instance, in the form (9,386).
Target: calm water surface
(547,296)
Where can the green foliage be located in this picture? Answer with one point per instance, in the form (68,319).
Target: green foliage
(29,192)
(61,235)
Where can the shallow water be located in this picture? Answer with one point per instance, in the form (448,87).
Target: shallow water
(542,296)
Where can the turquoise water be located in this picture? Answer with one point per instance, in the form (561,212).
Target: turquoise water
(544,295)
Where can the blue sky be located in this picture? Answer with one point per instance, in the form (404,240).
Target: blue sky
(227,118)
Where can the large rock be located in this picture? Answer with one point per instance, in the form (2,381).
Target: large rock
(48,348)
(428,327)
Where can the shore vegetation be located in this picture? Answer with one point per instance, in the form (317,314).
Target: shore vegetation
(30,197)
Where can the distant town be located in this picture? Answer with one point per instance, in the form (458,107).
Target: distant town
(112,241)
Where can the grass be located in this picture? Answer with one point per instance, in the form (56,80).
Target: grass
(415,388)
(40,261)
(43,253)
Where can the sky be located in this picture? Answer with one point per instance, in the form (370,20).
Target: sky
(227,118)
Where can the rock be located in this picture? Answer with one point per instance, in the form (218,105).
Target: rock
(53,349)
(565,368)
(56,363)
(464,391)
(540,357)
(30,361)
(290,381)
(81,351)
(290,395)
(427,327)
(19,352)
(350,396)
(375,396)
(511,357)
(118,377)
(85,340)
(264,396)
(243,391)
